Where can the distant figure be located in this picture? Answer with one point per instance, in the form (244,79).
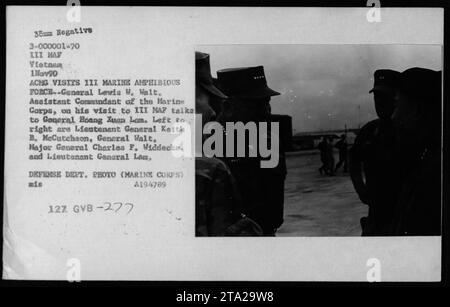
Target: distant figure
(373,166)
(343,153)
(330,156)
(323,145)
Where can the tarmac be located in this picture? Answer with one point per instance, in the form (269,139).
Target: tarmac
(319,205)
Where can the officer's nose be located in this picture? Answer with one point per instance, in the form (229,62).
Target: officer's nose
(212,114)
(208,115)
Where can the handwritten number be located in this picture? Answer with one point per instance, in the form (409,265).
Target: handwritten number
(120,206)
(109,206)
(131,207)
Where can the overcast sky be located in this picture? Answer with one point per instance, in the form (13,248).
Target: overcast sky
(323,85)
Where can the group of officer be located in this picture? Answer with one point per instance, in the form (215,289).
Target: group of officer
(395,162)
(234,195)
(326,148)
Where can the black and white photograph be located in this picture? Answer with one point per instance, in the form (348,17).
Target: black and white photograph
(359,140)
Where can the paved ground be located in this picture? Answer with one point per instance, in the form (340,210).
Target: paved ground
(319,205)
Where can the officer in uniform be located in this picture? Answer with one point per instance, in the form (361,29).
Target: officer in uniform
(216,197)
(341,145)
(262,189)
(217,201)
(418,125)
(372,158)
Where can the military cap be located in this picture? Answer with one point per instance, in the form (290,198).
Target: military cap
(421,82)
(423,88)
(385,80)
(203,76)
(245,82)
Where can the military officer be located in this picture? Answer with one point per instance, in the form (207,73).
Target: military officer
(218,209)
(216,198)
(372,158)
(262,189)
(418,125)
